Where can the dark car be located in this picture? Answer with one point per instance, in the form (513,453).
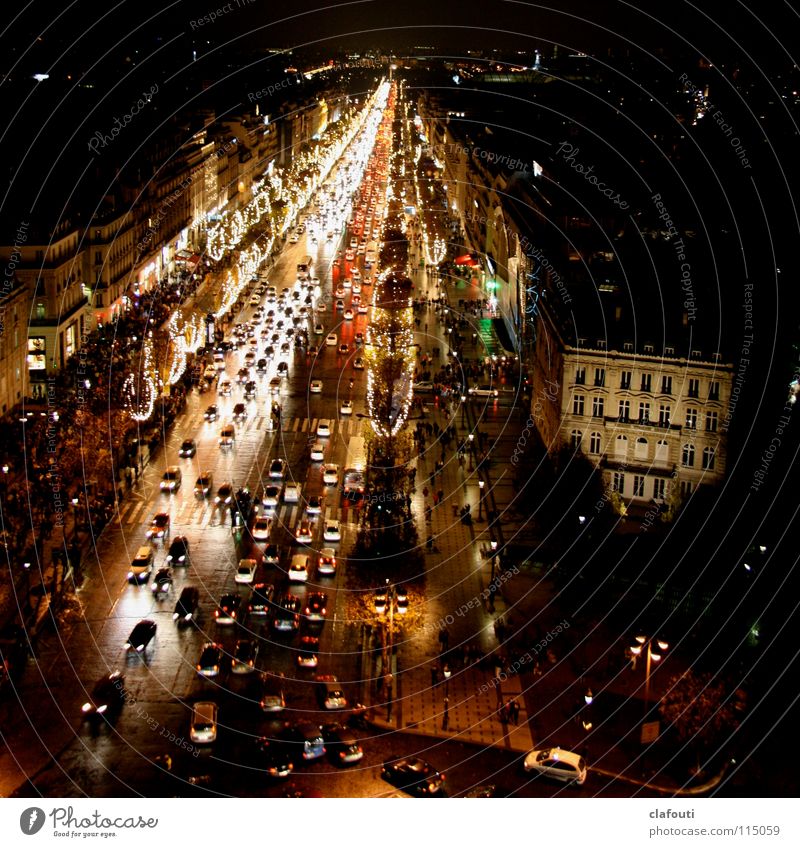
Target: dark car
(239,412)
(272,554)
(162,582)
(244,656)
(287,617)
(141,635)
(304,740)
(229,608)
(250,390)
(186,607)
(243,376)
(178,553)
(211,413)
(210,661)
(204,484)
(317,606)
(414,775)
(260,602)
(261,366)
(159,526)
(224,494)
(107,697)
(343,746)
(283,368)
(188,448)
(275,757)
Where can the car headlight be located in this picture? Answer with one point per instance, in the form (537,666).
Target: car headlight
(86,707)
(101,709)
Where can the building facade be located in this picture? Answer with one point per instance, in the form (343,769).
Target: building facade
(14,311)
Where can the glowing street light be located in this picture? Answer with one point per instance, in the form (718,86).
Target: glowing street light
(653,655)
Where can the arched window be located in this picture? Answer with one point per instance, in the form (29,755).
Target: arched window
(687,459)
(641,448)
(576,439)
(708,458)
(662,451)
(594,443)
(621,446)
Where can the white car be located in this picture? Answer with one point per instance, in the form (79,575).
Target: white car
(324,428)
(332,531)
(347,283)
(298,570)
(346,408)
(316,386)
(319,329)
(317,451)
(261,528)
(332,340)
(340,292)
(330,474)
(203,729)
(293,239)
(255,300)
(291,492)
(326,565)
(305,532)
(270,497)
(246,572)
(356,274)
(358,364)
(348,314)
(556,763)
(356,288)
(363,308)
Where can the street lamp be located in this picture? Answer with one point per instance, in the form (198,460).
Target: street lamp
(471,449)
(481,483)
(463,409)
(653,655)
(493,545)
(446,672)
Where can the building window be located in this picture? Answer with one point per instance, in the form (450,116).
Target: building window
(599,377)
(621,447)
(575,439)
(708,459)
(624,410)
(648,348)
(686,488)
(594,443)
(694,387)
(647,381)
(619,482)
(644,412)
(625,380)
(711,421)
(687,457)
(640,450)
(598,407)
(662,451)
(580,376)
(713,390)
(577,404)
(627,346)
(638,486)
(696,354)
(666,385)
(664,412)
(691,418)
(98,257)
(659,489)
(601,344)
(669,351)
(40,311)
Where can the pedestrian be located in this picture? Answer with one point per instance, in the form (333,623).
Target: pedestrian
(503,714)
(514,711)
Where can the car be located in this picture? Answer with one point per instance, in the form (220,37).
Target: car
(356,285)
(332,530)
(107,697)
(210,413)
(254,300)
(308,652)
(304,741)
(291,492)
(244,656)
(272,554)
(346,407)
(270,495)
(210,373)
(330,692)
(359,339)
(313,350)
(188,448)
(261,528)
(343,350)
(332,340)
(275,757)
(245,572)
(239,412)
(326,564)
(283,368)
(317,451)
(340,292)
(343,746)
(323,428)
(348,315)
(558,764)
(210,661)
(141,635)
(483,391)
(349,255)
(228,610)
(317,606)
(277,469)
(423,387)
(272,696)
(204,484)
(159,526)
(293,238)
(225,388)
(250,390)
(275,385)
(363,308)
(287,614)
(162,582)
(260,601)
(224,494)
(186,607)
(330,474)
(358,364)
(142,565)
(261,366)
(414,775)
(203,728)
(227,436)
(315,386)
(269,352)
(298,570)
(314,505)
(347,283)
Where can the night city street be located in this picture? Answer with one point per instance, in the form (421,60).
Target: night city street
(399,403)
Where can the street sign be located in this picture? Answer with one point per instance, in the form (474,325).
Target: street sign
(650,732)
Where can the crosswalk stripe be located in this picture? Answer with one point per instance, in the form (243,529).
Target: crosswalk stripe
(296,424)
(304,427)
(133,514)
(314,424)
